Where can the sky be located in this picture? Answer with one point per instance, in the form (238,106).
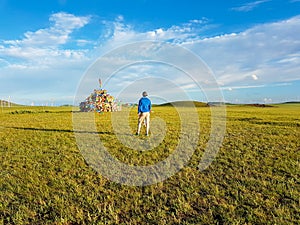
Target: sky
(250,48)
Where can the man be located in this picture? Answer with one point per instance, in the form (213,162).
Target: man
(144,109)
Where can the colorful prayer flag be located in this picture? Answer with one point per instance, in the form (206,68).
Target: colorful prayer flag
(100,83)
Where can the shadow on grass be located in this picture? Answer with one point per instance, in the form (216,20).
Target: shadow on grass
(58,130)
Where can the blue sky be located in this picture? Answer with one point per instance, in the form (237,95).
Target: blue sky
(252,47)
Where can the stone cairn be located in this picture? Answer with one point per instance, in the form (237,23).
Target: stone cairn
(100,101)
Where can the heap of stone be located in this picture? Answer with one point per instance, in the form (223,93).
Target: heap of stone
(99,101)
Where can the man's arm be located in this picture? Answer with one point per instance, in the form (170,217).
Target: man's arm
(150,105)
(139,106)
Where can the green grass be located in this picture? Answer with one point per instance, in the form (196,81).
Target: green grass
(254,179)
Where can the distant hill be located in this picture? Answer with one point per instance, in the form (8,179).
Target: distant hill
(292,102)
(4,103)
(212,104)
(258,105)
(185,104)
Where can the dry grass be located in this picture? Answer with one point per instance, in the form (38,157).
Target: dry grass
(254,179)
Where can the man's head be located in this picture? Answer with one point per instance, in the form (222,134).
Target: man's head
(145,94)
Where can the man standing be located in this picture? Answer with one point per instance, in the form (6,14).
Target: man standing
(144,109)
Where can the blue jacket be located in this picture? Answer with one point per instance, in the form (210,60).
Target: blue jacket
(144,105)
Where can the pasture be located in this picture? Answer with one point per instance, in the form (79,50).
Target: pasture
(253,180)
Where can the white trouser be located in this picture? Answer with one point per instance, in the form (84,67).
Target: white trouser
(144,117)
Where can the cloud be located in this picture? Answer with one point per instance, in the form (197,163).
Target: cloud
(242,87)
(41,61)
(59,33)
(231,88)
(254,77)
(270,51)
(43,45)
(264,53)
(119,33)
(249,6)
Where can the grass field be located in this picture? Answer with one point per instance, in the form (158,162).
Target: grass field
(253,180)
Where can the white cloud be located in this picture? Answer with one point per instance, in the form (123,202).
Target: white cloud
(82,42)
(242,87)
(59,33)
(231,88)
(257,57)
(119,33)
(249,6)
(39,63)
(254,77)
(42,46)
(270,51)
